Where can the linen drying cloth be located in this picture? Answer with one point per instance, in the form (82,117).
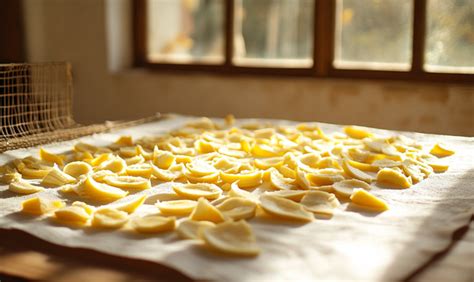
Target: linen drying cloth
(351,245)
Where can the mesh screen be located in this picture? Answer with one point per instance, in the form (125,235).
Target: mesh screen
(36,106)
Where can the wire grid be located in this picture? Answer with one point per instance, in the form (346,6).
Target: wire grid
(36,106)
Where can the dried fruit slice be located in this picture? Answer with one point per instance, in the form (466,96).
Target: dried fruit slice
(72,214)
(154,224)
(100,159)
(246,180)
(56,177)
(345,188)
(161,174)
(441,150)
(320,202)
(302,180)
(163,159)
(237,208)
(365,199)
(124,140)
(234,238)
(88,208)
(393,178)
(131,205)
(76,169)
(50,157)
(294,195)
(438,167)
(284,208)
(211,178)
(207,212)
(357,132)
(177,207)
(128,152)
(279,182)
(23,187)
(31,173)
(362,166)
(356,173)
(84,147)
(413,170)
(39,206)
(235,191)
(320,179)
(114,164)
(268,162)
(138,159)
(92,189)
(191,229)
(200,168)
(109,218)
(198,190)
(128,182)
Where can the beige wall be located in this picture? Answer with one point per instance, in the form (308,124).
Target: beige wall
(77,31)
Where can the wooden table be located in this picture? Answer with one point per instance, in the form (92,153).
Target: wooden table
(25,257)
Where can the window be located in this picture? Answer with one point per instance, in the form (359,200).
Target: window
(394,39)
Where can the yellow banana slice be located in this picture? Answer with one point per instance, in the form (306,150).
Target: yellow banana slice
(76,169)
(143,170)
(441,150)
(357,132)
(177,207)
(109,218)
(356,173)
(345,188)
(284,208)
(39,206)
(91,189)
(204,211)
(237,208)
(23,187)
(191,229)
(130,205)
(235,238)
(393,178)
(197,190)
(294,195)
(128,182)
(50,157)
(246,180)
(365,199)
(163,159)
(320,202)
(56,177)
(154,224)
(72,214)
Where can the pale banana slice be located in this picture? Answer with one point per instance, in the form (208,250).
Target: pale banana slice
(320,202)
(356,173)
(246,180)
(109,218)
(130,205)
(128,182)
(91,189)
(50,157)
(365,199)
(39,206)
(154,224)
(177,207)
(235,238)
(198,190)
(72,214)
(76,169)
(56,177)
(142,169)
(238,208)
(393,178)
(204,211)
(191,229)
(294,195)
(441,150)
(23,187)
(345,188)
(284,208)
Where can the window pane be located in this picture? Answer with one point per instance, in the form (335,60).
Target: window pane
(185,31)
(450,36)
(374,34)
(274,33)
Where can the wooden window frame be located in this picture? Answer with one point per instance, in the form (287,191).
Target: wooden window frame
(323,50)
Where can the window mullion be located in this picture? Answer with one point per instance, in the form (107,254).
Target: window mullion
(419,36)
(229,33)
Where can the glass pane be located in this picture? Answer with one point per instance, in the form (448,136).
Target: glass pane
(450,36)
(374,34)
(185,31)
(274,33)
